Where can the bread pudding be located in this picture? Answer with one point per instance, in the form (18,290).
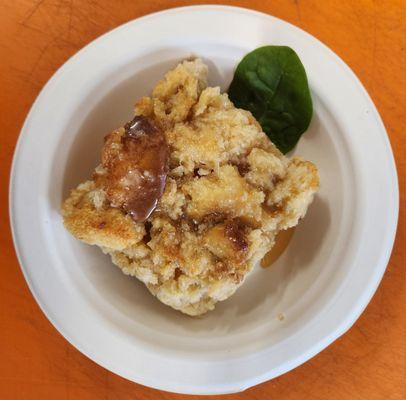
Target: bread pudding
(189,195)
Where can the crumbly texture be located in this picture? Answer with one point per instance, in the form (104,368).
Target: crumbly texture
(229,191)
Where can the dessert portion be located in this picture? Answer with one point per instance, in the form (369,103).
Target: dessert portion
(190,194)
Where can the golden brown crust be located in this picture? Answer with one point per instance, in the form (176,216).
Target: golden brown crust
(89,219)
(228,192)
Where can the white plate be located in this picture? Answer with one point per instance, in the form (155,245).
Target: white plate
(320,285)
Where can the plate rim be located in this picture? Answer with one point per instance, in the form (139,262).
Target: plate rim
(357,309)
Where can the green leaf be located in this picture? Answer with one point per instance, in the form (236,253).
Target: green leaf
(271,82)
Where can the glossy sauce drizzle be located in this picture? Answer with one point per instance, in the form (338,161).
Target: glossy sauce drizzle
(281,242)
(136,173)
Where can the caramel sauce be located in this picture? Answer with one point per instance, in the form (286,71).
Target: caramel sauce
(234,231)
(281,242)
(136,170)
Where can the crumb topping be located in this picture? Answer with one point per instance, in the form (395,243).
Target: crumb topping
(189,195)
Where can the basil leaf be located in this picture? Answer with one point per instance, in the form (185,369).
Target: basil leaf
(271,82)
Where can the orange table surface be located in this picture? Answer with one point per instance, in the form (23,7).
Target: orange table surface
(36,362)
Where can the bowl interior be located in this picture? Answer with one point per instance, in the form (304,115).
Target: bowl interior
(273,303)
